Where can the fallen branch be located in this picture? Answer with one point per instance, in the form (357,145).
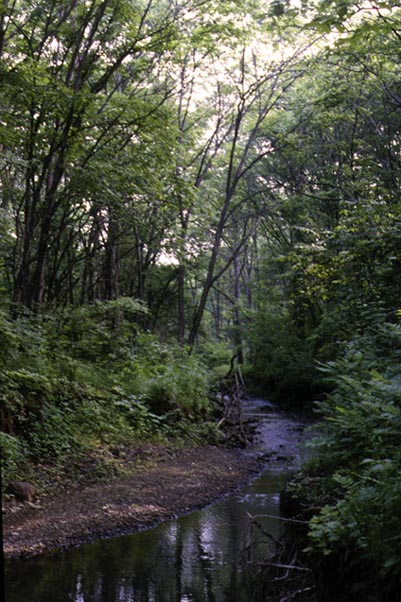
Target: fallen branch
(279,565)
(297,593)
(282,518)
(262,529)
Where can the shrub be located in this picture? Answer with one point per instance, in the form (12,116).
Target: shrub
(281,361)
(87,379)
(357,457)
(13,459)
(182,385)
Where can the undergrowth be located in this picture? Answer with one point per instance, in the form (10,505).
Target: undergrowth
(85,380)
(353,471)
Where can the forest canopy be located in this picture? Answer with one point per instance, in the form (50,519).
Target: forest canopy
(187,181)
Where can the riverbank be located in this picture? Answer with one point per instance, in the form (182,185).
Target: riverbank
(176,482)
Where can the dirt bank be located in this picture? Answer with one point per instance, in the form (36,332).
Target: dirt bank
(180,481)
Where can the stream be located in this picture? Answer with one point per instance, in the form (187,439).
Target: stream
(195,558)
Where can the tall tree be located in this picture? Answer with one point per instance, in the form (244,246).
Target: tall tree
(70,73)
(254,93)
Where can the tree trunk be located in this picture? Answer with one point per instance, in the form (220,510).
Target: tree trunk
(112,262)
(181,303)
(236,311)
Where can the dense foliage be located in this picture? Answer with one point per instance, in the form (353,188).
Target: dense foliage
(350,484)
(85,379)
(359,450)
(182,182)
(343,281)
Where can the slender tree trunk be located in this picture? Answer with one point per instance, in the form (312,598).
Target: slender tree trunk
(25,228)
(90,274)
(236,310)
(208,282)
(111,265)
(181,302)
(140,285)
(53,171)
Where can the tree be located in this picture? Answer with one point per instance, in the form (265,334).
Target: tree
(76,79)
(254,94)
(328,245)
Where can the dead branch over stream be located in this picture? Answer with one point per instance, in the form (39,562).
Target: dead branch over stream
(237,430)
(279,575)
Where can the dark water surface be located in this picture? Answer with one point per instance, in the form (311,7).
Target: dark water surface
(196,558)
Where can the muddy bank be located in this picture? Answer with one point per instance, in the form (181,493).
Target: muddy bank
(177,484)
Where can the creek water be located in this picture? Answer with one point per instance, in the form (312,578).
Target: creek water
(196,558)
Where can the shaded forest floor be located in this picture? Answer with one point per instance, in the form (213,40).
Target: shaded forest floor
(170,483)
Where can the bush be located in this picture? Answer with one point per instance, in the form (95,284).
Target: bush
(144,423)
(168,378)
(281,362)
(87,378)
(13,459)
(52,436)
(357,458)
(186,431)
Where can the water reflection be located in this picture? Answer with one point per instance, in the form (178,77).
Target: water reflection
(197,558)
